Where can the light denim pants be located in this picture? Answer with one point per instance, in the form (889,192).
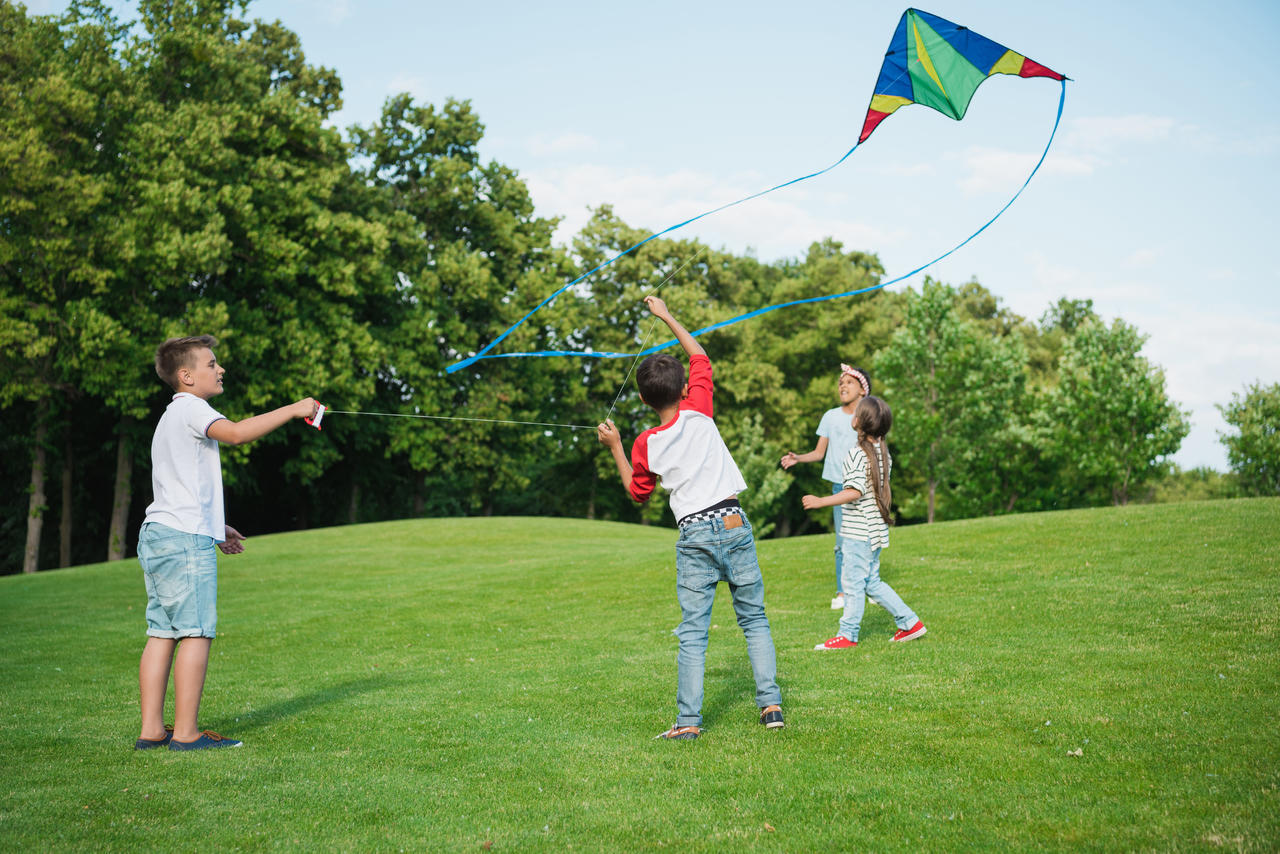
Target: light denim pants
(835,512)
(862,581)
(706,554)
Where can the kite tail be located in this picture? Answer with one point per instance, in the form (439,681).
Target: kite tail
(484,354)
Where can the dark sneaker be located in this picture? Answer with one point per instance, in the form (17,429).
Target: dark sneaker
(207,739)
(837,642)
(771,717)
(909,634)
(682,733)
(148,743)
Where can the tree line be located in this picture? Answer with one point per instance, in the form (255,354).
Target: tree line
(176,176)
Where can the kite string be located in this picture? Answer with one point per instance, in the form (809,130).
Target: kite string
(654,290)
(483,353)
(647,335)
(459,418)
(765,310)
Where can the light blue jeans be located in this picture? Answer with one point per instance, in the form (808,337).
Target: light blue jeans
(862,581)
(835,512)
(706,554)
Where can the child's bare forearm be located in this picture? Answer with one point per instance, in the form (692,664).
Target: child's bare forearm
(687,341)
(256,426)
(624,465)
(844,496)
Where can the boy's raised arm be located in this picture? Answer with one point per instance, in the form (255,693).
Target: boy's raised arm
(687,341)
(255,427)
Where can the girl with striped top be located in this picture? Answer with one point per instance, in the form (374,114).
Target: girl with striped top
(864,528)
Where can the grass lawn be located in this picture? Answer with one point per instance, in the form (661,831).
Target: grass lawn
(1102,679)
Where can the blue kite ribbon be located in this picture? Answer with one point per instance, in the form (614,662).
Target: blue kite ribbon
(483,354)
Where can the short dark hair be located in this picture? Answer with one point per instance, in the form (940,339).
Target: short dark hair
(660,379)
(175,354)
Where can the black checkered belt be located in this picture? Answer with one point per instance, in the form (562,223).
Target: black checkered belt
(725,508)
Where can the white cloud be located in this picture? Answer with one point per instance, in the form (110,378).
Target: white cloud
(568,143)
(1141,258)
(994,170)
(1207,356)
(337,11)
(414,84)
(907,170)
(774,225)
(1104,132)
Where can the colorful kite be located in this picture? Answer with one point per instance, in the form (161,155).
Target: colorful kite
(934,62)
(930,61)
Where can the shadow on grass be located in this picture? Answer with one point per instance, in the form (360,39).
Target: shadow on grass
(259,718)
(724,688)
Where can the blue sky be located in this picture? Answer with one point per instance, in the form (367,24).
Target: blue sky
(1155,200)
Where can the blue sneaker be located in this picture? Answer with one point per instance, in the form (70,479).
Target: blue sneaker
(771,717)
(148,743)
(206,739)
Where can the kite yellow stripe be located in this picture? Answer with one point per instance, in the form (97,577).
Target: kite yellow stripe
(888,103)
(924,58)
(1010,63)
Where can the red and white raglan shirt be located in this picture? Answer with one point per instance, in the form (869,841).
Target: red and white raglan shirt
(687,453)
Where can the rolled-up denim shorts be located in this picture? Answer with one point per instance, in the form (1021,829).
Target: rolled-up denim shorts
(181,574)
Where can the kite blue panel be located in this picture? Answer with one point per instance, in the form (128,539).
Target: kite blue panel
(894,79)
(978,49)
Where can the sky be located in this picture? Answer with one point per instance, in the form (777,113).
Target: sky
(1155,200)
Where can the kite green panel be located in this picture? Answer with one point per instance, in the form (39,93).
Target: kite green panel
(942,78)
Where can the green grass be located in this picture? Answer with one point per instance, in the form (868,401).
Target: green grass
(453,684)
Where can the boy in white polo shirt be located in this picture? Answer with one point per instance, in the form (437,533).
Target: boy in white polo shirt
(175,545)
(716,543)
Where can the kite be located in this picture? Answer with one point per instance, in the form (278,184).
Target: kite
(932,62)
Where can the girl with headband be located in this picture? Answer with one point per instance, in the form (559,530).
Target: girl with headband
(836,438)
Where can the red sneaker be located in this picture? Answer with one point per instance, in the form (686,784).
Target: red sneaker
(837,642)
(909,634)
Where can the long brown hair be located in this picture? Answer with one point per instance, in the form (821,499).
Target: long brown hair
(872,418)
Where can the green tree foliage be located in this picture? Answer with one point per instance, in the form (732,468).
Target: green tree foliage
(1197,484)
(1109,423)
(467,257)
(174,175)
(956,390)
(1253,451)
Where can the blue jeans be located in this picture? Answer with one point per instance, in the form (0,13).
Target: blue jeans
(706,554)
(835,512)
(862,581)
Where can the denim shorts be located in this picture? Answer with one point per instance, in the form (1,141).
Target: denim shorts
(180,571)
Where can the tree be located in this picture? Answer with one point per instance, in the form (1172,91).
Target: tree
(783,368)
(1254,450)
(53,201)
(955,391)
(466,258)
(1109,422)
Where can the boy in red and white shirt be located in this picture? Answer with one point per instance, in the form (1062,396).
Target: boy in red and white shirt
(716,543)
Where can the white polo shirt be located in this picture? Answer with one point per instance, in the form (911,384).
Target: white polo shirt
(186,471)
